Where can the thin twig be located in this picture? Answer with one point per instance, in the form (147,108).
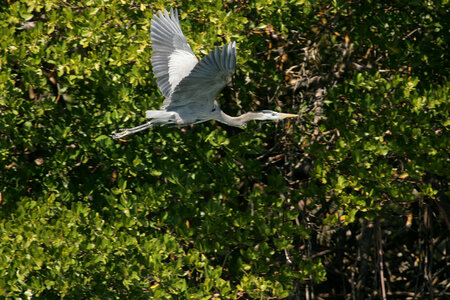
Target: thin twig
(380,259)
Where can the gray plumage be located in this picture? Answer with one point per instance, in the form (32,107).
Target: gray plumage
(189,86)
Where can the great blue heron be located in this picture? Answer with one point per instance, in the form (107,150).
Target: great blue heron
(188,85)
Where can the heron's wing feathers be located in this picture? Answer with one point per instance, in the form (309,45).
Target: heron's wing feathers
(172,57)
(206,80)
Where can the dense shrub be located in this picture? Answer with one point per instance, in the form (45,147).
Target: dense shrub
(349,201)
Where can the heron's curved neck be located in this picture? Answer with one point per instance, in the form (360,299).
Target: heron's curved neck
(238,121)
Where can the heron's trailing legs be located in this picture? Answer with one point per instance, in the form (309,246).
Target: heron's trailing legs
(127,131)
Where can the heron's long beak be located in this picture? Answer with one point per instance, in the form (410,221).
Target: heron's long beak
(288,115)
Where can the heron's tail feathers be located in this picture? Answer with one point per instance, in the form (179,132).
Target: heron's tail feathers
(160,115)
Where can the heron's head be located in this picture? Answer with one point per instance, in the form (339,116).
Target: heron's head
(273,115)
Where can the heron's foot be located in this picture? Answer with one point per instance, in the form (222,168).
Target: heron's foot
(128,131)
(123,133)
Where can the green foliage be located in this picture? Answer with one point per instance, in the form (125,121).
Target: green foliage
(390,137)
(211,211)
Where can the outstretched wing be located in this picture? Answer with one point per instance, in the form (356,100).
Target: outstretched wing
(172,57)
(206,80)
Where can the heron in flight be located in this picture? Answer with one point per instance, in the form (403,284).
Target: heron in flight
(189,86)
